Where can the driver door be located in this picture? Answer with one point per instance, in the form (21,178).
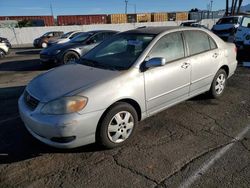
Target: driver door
(168,84)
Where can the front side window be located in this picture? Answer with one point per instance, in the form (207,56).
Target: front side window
(81,38)
(169,47)
(197,42)
(119,52)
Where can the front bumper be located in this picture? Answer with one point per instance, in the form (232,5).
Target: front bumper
(48,127)
(44,58)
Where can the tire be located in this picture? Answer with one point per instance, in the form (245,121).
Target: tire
(114,130)
(2,54)
(219,84)
(44,45)
(70,57)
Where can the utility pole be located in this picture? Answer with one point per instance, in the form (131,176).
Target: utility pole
(239,6)
(211,5)
(51,10)
(126,6)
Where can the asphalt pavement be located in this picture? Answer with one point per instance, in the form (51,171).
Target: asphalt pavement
(201,142)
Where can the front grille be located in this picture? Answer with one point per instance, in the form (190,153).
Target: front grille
(30,101)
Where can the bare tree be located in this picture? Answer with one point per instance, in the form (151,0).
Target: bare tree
(232,7)
(227,3)
(239,6)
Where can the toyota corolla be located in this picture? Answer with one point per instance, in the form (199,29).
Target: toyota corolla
(125,79)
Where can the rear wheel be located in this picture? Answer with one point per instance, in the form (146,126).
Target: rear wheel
(70,57)
(118,125)
(2,54)
(219,84)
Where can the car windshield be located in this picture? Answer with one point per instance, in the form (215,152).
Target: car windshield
(66,35)
(81,38)
(119,52)
(47,34)
(231,20)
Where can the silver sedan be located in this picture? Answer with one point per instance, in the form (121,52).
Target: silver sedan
(125,79)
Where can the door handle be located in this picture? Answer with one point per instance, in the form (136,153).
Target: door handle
(215,55)
(185,65)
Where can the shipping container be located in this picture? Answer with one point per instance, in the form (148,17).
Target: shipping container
(117,18)
(172,16)
(81,19)
(159,17)
(48,20)
(131,18)
(143,17)
(181,16)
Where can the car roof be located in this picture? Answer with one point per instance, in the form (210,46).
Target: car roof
(153,30)
(99,31)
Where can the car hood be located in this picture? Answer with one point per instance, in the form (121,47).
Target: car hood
(223,26)
(66,79)
(63,46)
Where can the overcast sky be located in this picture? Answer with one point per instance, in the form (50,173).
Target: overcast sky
(42,7)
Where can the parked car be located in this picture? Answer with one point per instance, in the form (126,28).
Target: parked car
(6,41)
(64,38)
(193,24)
(42,42)
(127,78)
(242,32)
(75,48)
(227,26)
(4,47)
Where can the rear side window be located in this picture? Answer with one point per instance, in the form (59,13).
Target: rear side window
(212,43)
(197,42)
(169,47)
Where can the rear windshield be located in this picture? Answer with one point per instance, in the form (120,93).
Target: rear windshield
(231,20)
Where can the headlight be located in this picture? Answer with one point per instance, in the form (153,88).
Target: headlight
(65,105)
(248,37)
(56,52)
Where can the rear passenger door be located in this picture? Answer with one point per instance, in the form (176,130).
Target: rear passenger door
(204,57)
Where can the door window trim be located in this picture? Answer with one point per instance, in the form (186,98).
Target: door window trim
(183,42)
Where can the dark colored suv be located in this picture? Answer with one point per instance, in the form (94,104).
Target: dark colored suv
(42,42)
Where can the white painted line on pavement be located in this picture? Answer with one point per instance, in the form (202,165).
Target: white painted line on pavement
(203,168)
(9,119)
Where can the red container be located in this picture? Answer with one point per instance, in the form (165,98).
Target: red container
(81,19)
(48,20)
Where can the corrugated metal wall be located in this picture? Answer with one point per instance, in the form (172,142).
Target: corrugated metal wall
(81,19)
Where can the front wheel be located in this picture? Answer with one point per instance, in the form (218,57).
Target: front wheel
(70,57)
(219,84)
(118,125)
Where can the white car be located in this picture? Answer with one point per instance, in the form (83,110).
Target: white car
(64,38)
(4,49)
(125,79)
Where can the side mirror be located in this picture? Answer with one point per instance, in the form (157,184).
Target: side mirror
(248,25)
(155,62)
